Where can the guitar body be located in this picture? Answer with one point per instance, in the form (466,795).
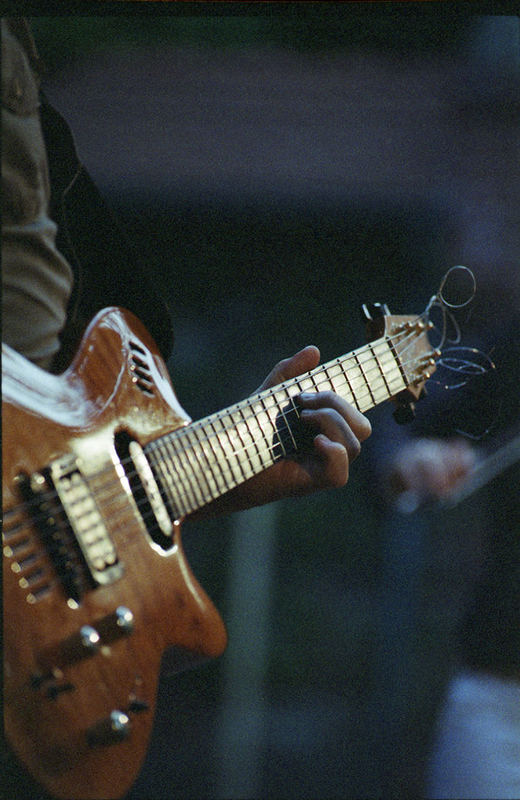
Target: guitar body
(61,683)
(100,466)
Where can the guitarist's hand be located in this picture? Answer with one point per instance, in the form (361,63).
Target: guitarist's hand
(428,469)
(337,429)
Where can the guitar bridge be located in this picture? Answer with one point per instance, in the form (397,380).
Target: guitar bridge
(71,527)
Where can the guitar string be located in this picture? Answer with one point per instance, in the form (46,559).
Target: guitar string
(183,476)
(181,495)
(184,497)
(195,488)
(269,395)
(323,371)
(315,376)
(189,432)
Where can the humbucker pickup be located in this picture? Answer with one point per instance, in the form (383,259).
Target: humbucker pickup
(85,520)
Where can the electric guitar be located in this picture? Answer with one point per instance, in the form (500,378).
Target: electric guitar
(100,466)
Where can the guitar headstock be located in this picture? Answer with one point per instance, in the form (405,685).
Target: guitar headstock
(408,337)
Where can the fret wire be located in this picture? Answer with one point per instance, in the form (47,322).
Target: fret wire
(198,468)
(379,386)
(396,389)
(183,494)
(236,430)
(270,449)
(350,387)
(233,439)
(357,370)
(379,367)
(175,487)
(361,372)
(254,440)
(210,422)
(391,360)
(176,477)
(205,444)
(184,463)
(334,365)
(329,377)
(217,448)
(164,474)
(175,464)
(305,383)
(395,376)
(229,454)
(313,379)
(218,474)
(218,456)
(265,411)
(295,408)
(373,349)
(343,376)
(182,488)
(297,381)
(176,467)
(262,402)
(285,394)
(376,386)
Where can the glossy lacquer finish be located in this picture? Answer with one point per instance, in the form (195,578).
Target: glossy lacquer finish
(58,692)
(100,467)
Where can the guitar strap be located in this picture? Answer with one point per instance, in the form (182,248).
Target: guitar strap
(106,266)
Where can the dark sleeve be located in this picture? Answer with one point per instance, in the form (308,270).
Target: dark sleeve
(107,268)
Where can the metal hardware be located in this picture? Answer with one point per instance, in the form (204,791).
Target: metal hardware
(115,728)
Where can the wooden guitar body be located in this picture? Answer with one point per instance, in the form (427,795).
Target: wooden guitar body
(94,589)
(100,466)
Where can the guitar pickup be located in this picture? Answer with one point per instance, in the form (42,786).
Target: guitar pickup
(90,532)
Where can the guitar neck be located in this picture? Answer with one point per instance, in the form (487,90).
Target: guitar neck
(204,460)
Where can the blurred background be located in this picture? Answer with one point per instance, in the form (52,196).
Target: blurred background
(279,165)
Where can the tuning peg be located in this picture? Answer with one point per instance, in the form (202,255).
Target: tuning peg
(404,414)
(372,311)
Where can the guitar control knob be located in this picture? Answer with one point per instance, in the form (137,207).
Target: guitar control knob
(54,690)
(371,311)
(114,626)
(86,642)
(115,728)
(137,706)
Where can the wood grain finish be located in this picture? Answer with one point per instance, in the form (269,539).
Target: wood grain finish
(101,465)
(80,412)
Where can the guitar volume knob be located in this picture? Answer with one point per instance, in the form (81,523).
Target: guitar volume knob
(111,730)
(83,644)
(116,625)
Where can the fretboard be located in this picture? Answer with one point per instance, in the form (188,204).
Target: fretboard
(207,458)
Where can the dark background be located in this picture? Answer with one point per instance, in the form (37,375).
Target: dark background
(279,165)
